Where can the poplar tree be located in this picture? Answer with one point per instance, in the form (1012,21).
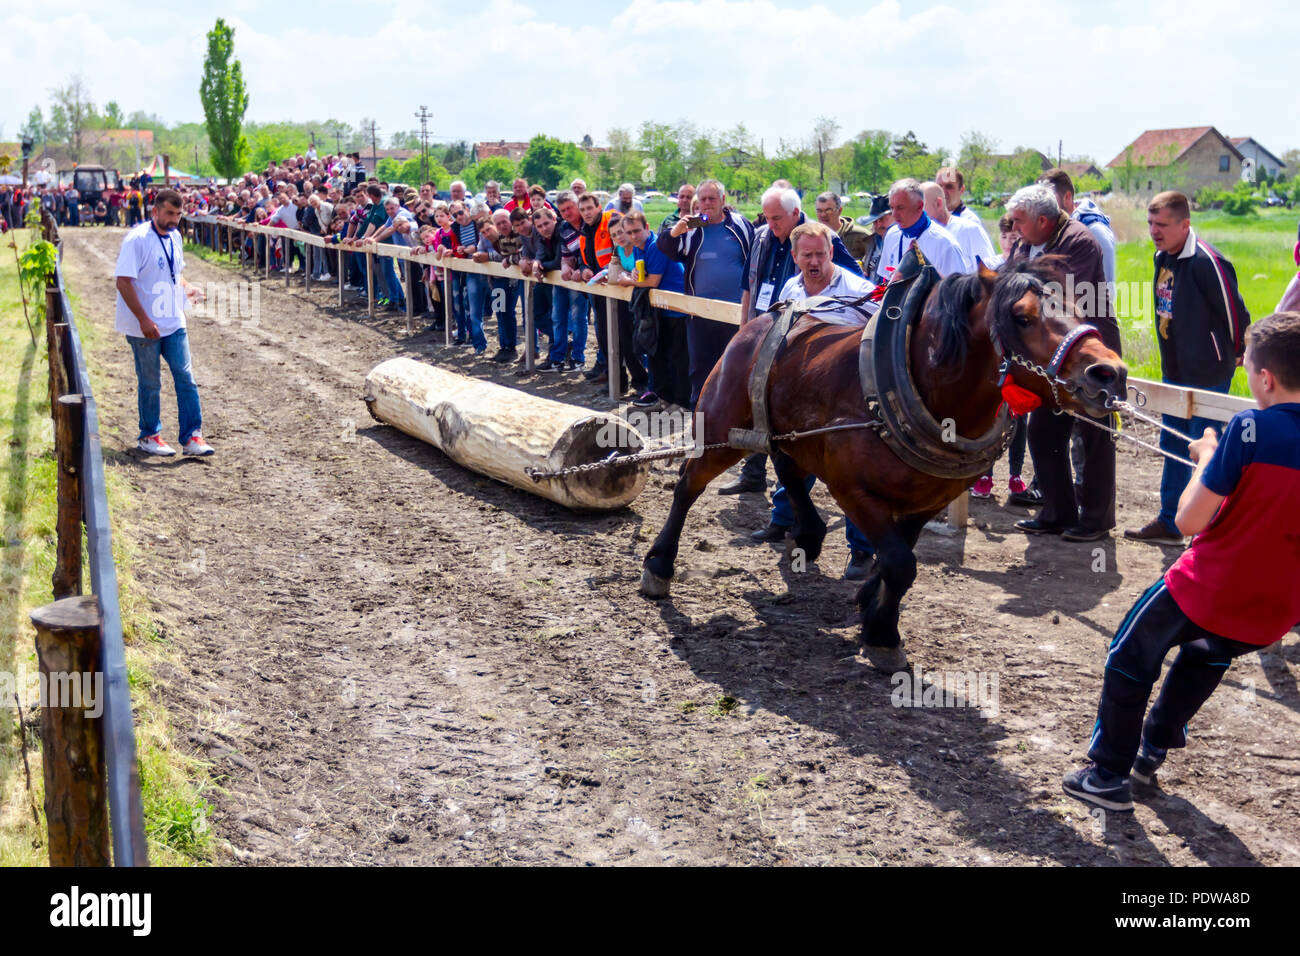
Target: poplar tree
(225,99)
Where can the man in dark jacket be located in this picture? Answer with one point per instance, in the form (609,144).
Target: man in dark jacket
(1045,230)
(1201,329)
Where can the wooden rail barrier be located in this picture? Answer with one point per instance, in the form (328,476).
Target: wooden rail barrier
(1161,398)
(91,775)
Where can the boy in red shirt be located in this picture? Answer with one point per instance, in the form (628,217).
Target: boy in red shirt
(1233,591)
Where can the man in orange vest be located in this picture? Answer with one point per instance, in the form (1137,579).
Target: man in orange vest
(596,249)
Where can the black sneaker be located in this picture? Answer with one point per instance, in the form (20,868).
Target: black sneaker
(1081,533)
(570,365)
(547,366)
(1031,497)
(1145,766)
(1092,784)
(646,400)
(505,355)
(1036,526)
(593,373)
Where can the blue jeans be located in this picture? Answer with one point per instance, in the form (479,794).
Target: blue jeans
(477,289)
(175,349)
(507,323)
(359,262)
(568,316)
(392,288)
(1174,478)
(783,516)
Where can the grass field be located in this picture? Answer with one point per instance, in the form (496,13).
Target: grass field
(171,784)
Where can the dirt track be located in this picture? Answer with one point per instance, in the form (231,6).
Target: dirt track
(392,660)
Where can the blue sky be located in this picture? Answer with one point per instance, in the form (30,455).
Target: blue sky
(1093,74)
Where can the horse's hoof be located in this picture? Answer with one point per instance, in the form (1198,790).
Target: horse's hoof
(887,660)
(652,585)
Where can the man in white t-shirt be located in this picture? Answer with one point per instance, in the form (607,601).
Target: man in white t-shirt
(151,296)
(812,250)
(819,275)
(972,238)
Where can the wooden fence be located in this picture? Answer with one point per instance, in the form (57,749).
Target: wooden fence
(91,775)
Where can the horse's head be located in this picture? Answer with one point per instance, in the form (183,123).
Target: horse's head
(1046,345)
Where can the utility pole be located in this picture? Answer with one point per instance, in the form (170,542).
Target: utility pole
(374,146)
(1059,145)
(338,143)
(423,117)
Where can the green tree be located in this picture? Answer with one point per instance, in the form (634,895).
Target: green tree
(661,149)
(869,165)
(77,112)
(499,168)
(271,142)
(34,127)
(456,156)
(225,100)
(112,117)
(551,162)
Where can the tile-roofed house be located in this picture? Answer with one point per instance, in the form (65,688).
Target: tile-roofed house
(511,151)
(1254,153)
(1186,158)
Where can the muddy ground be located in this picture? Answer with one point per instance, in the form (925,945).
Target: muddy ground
(388,659)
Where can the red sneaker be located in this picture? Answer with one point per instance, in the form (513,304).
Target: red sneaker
(983,487)
(1016,485)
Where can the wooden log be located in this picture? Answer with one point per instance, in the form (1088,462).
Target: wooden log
(502,432)
(76,790)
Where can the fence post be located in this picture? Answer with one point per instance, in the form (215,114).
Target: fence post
(448,317)
(266,251)
(410,292)
(284,264)
(72,741)
(54,344)
(69,429)
(342,270)
(529,324)
(308,254)
(370,283)
(611,347)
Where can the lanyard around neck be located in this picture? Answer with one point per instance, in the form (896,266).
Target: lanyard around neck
(167,251)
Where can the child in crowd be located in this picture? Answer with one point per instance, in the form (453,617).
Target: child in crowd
(1231,592)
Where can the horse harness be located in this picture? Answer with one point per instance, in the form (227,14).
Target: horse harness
(898,414)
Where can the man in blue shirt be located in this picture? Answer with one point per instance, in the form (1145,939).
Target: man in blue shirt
(713,247)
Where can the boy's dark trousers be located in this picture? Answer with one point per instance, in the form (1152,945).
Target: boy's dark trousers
(1153,627)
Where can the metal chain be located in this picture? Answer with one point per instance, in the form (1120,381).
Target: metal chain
(1133,438)
(1126,407)
(613,460)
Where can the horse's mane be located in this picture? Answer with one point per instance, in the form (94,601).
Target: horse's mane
(958,294)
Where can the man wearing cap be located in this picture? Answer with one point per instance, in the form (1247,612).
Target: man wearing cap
(877,223)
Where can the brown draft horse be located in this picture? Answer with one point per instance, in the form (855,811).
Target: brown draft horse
(814,382)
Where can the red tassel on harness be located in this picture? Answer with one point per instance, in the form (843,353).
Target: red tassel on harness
(1021,401)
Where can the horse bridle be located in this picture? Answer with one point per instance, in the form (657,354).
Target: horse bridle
(1009,356)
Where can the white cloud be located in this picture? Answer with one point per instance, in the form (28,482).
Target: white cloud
(1093,74)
